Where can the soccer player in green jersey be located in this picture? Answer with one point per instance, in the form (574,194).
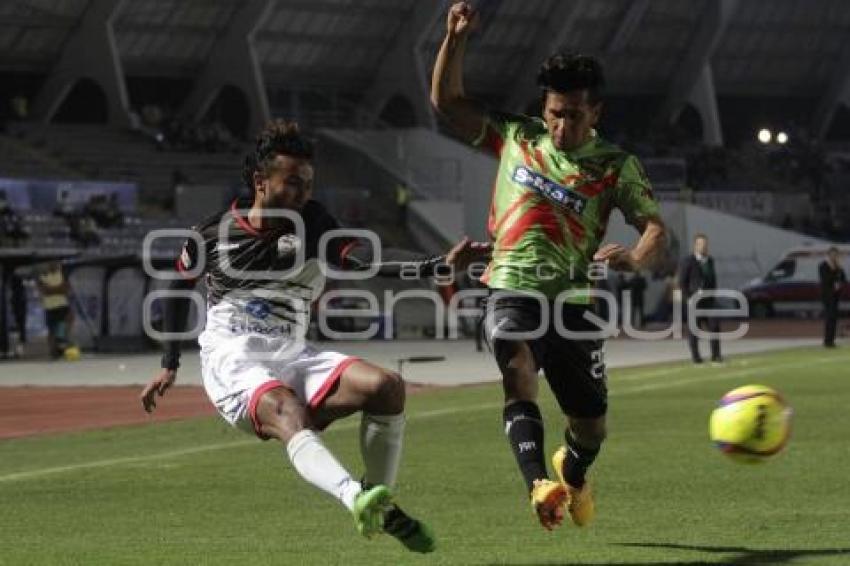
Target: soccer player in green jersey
(556,185)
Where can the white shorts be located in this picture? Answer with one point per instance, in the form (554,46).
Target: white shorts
(236,374)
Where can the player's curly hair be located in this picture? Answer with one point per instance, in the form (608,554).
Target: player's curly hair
(566,72)
(279,137)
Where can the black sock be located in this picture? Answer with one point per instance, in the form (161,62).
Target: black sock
(524,427)
(578,460)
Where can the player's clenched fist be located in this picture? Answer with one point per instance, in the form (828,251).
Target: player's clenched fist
(462,17)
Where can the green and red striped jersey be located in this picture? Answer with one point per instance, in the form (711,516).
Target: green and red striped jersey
(550,208)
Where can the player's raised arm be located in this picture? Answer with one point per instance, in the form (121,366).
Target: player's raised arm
(447,94)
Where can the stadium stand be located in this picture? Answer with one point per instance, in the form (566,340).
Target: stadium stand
(97,152)
(169,107)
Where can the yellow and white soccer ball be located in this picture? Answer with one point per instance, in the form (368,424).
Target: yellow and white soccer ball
(751,423)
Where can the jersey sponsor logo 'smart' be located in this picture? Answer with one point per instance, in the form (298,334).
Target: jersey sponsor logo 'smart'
(549,189)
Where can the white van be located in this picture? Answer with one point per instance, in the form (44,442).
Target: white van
(792,286)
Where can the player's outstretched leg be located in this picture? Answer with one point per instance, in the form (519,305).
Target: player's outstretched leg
(524,429)
(380,395)
(279,414)
(572,461)
(523,424)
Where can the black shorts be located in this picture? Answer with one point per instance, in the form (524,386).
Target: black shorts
(55,317)
(573,366)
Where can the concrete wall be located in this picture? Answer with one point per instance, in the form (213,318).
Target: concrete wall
(434,166)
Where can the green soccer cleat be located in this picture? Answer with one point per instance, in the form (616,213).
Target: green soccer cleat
(412,533)
(369,507)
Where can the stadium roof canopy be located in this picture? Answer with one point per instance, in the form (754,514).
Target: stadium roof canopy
(752,47)
(768,47)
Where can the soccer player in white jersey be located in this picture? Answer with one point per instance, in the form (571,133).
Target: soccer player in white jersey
(260,260)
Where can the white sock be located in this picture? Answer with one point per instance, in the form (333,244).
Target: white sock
(318,466)
(380,445)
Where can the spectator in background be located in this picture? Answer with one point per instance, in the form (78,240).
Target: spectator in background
(95,208)
(696,275)
(105,211)
(19,311)
(54,291)
(20,107)
(114,216)
(11,224)
(832,281)
(402,198)
(64,205)
(152,116)
(84,230)
(87,233)
(82,227)
(664,309)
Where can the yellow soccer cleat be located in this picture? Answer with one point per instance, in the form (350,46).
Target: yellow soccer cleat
(581,506)
(548,499)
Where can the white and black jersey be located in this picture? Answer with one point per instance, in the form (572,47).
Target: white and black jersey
(264,282)
(234,256)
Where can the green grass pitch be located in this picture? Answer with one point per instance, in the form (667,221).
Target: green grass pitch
(197,492)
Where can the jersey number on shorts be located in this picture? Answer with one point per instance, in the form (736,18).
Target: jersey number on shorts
(597,370)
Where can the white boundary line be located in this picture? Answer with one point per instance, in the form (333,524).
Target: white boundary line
(207,448)
(707,377)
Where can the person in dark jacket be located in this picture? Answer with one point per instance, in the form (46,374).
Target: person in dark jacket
(697,274)
(19,312)
(832,280)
